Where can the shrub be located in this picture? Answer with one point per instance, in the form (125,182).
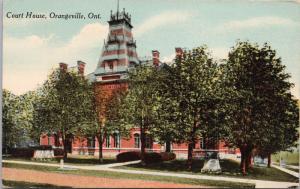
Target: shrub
(58,152)
(22,152)
(212,155)
(167,156)
(128,156)
(152,157)
(42,147)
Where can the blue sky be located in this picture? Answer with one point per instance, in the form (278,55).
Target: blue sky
(33,47)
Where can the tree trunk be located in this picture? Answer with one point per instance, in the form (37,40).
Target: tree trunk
(243,159)
(190,155)
(168,146)
(143,146)
(65,143)
(269,160)
(248,162)
(100,143)
(246,151)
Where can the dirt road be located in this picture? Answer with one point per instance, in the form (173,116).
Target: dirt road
(69,180)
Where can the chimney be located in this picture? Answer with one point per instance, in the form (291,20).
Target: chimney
(80,66)
(155,57)
(179,52)
(63,66)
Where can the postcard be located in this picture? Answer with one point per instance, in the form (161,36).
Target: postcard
(150,94)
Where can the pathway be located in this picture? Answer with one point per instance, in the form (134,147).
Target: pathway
(294,173)
(258,183)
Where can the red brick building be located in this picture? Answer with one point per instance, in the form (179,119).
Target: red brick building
(118,56)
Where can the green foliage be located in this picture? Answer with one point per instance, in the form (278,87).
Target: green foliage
(192,96)
(137,107)
(164,129)
(128,156)
(9,124)
(259,107)
(65,105)
(17,118)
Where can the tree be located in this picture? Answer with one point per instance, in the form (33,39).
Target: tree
(107,109)
(254,83)
(65,106)
(193,94)
(26,117)
(137,106)
(17,119)
(164,128)
(9,113)
(283,134)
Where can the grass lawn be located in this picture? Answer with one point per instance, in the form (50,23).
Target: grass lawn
(290,158)
(19,184)
(72,160)
(108,174)
(229,168)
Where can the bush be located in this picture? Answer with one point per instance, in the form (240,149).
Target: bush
(58,152)
(152,157)
(167,156)
(22,152)
(128,156)
(42,147)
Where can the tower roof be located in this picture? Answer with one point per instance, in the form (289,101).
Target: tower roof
(119,17)
(119,50)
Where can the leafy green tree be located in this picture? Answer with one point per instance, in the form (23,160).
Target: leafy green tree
(137,108)
(27,102)
(193,94)
(283,116)
(17,119)
(257,101)
(10,130)
(164,127)
(65,106)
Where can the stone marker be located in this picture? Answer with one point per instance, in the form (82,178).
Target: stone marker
(43,154)
(61,163)
(212,166)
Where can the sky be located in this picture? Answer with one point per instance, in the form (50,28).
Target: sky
(32,48)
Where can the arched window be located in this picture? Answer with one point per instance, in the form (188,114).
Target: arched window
(107,141)
(116,140)
(136,140)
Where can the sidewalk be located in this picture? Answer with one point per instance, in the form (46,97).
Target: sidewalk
(295,174)
(108,167)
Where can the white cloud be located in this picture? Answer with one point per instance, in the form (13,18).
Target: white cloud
(164,18)
(169,58)
(28,60)
(257,22)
